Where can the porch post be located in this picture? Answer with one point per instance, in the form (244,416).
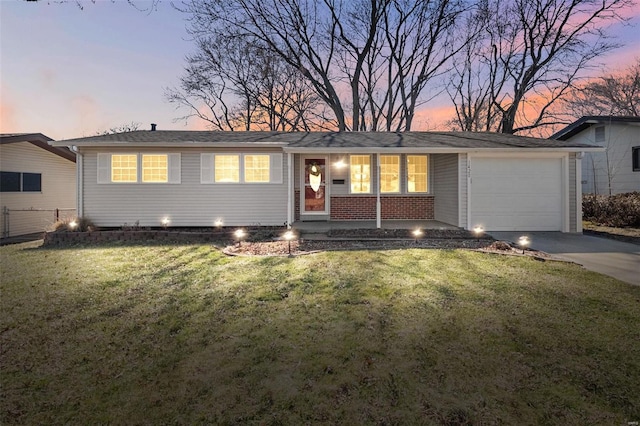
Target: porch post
(378,204)
(290,214)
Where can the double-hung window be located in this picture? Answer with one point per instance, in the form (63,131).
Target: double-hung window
(227,168)
(250,168)
(360,171)
(389,173)
(635,158)
(417,173)
(138,168)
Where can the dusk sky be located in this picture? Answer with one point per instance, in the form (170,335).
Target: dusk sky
(67,72)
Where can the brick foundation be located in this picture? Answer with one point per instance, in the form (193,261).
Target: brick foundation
(398,207)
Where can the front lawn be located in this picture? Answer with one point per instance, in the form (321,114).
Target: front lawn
(184,335)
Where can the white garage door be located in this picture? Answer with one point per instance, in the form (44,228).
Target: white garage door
(516,194)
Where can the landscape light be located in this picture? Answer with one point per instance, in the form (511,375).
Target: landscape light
(289,235)
(523,242)
(478,230)
(417,233)
(165,222)
(73,224)
(218,223)
(240,234)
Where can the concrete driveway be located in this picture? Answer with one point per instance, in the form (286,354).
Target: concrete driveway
(610,257)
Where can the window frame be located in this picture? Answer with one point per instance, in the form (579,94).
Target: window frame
(426,173)
(207,168)
(18,178)
(216,168)
(245,169)
(398,172)
(143,169)
(351,174)
(104,168)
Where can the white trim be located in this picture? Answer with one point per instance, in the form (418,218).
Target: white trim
(377,184)
(566,217)
(438,150)
(469,165)
(80,184)
(578,184)
(290,191)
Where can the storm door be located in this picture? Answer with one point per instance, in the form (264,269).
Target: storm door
(315,180)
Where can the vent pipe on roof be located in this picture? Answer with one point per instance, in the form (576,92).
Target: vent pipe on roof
(153,127)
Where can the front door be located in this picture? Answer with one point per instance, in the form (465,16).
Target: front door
(315,185)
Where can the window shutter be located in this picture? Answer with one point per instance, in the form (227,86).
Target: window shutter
(104,168)
(174,168)
(206,168)
(276,168)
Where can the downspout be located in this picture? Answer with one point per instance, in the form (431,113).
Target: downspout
(79,182)
(290,214)
(579,157)
(378,203)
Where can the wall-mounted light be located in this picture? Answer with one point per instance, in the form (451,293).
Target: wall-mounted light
(340,164)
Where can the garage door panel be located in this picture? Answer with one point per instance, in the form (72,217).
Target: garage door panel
(516,194)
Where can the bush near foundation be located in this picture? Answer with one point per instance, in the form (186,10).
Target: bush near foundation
(620,210)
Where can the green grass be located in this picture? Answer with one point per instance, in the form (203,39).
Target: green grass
(185,335)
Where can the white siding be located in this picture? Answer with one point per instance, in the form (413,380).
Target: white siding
(572,193)
(189,203)
(598,167)
(58,187)
(445,188)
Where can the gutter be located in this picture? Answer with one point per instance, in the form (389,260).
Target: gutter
(79,181)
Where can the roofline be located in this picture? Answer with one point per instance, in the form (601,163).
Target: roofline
(180,144)
(41,141)
(588,121)
(437,150)
(318,150)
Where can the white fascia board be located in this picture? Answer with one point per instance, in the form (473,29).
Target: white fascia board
(187,144)
(428,150)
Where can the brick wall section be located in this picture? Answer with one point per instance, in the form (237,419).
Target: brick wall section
(399,207)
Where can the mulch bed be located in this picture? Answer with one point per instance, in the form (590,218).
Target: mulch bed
(303,247)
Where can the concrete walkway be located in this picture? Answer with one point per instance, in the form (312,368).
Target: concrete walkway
(610,257)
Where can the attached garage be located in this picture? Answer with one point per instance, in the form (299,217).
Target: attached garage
(516,193)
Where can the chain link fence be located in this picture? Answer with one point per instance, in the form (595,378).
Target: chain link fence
(17,222)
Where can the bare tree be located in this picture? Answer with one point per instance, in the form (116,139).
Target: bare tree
(533,53)
(372,58)
(123,128)
(234,85)
(613,94)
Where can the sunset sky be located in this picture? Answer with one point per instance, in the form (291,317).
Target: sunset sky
(67,72)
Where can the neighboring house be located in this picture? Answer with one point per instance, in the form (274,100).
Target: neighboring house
(616,170)
(35,180)
(195,178)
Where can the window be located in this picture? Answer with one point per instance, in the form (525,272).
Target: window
(635,158)
(31,182)
(417,173)
(256,168)
(124,168)
(389,173)
(227,168)
(360,174)
(20,182)
(155,168)
(600,134)
(10,181)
